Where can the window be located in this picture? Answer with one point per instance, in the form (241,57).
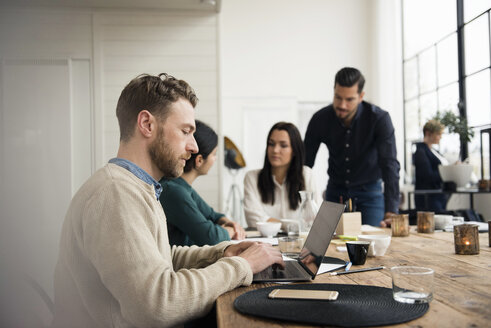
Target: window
(440,75)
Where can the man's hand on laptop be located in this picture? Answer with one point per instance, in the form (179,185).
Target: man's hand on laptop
(259,255)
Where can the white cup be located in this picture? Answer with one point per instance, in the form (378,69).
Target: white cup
(455,220)
(378,244)
(441,221)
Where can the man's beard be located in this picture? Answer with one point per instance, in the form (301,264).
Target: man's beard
(346,117)
(164,158)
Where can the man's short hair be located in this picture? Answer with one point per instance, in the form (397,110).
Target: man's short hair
(348,77)
(433,126)
(152,93)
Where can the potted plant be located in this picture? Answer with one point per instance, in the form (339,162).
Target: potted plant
(456,124)
(459,173)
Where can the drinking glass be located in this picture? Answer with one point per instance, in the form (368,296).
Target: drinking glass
(412,284)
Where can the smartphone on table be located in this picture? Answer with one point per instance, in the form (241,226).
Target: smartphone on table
(303,294)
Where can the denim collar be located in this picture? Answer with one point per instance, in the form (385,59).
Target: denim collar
(139,173)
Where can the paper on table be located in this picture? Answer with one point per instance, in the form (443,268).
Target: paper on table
(252,233)
(272,241)
(325,267)
(482,226)
(369,228)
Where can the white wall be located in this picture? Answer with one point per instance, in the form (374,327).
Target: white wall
(287,52)
(63,125)
(44,73)
(183,44)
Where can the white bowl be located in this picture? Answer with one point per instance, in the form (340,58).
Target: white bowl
(268,229)
(458,173)
(378,244)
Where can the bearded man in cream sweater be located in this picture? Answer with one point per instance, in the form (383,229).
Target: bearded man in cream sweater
(116,267)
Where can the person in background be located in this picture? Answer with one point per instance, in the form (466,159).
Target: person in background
(115,266)
(362,150)
(190,220)
(272,193)
(426,160)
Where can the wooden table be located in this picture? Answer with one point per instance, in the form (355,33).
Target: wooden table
(462,286)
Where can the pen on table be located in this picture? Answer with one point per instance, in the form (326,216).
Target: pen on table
(348,266)
(354,271)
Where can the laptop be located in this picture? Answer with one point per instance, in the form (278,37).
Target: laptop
(307,265)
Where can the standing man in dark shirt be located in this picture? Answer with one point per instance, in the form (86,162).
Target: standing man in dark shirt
(362,150)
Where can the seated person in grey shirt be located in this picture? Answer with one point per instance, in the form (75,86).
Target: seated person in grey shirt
(190,220)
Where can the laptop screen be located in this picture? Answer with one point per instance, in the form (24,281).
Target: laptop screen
(320,235)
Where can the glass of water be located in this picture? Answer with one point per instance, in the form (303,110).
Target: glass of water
(412,284)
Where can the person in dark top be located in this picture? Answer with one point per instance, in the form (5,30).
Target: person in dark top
(190,220)
(362,150)
(426,161)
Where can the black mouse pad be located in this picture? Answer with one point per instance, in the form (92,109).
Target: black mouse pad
(356,306)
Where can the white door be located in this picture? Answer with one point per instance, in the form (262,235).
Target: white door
(36,171)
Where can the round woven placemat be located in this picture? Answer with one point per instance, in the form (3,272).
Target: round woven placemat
(356,306)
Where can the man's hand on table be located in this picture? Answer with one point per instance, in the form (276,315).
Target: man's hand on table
(259,255)
(239,232)
(385,223)
(234,229)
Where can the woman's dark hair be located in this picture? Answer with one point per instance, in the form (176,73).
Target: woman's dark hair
(348,77)
(294,177)
(206,139)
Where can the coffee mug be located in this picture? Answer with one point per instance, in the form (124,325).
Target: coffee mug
(441,221)
(357,251)
(378,244)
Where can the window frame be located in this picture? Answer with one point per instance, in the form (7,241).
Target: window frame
(462,77)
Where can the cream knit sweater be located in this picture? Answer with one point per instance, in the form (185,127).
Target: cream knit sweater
(116,268)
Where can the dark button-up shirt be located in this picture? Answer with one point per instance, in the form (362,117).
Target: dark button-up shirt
(361,153)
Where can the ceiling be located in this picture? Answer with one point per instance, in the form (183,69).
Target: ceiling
(199,5)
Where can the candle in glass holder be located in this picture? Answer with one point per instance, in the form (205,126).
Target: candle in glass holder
(400,225)
(483,185)
(426,222)
(466,238)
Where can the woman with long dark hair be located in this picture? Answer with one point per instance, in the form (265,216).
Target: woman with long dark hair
(190,220)
(272,193)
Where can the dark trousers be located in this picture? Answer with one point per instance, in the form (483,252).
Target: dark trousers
(208,321)
(435,203)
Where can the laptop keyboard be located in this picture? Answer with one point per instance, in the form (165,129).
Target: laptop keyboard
(292,269)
